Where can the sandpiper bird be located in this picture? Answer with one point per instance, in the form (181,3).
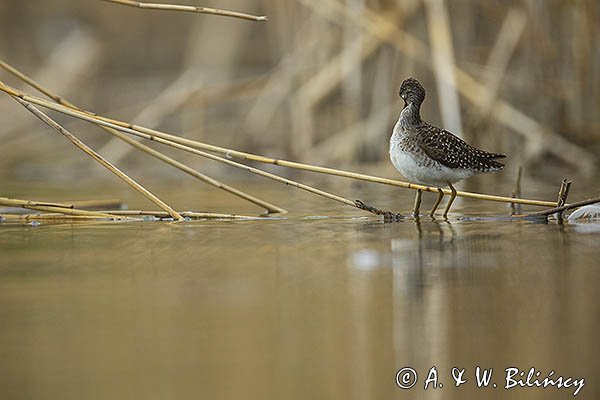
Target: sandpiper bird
(431,156)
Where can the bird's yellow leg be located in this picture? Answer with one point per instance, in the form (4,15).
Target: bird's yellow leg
(437,202)
(452,197)
(417,203)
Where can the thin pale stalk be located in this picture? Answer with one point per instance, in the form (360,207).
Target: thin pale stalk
(41,203)
(193,9)
(516,209)
(187,214)
(82,204)
(563,194)
(47,207)
(55,217)
(186,144)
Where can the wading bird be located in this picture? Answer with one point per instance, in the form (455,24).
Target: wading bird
(431,156)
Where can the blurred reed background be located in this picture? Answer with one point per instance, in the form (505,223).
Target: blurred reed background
(316,83)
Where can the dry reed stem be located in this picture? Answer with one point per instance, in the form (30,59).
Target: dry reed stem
(192,146)
(566,207)
(122,215)
(81,204)
(186,214)
(61,100)
(194,9)
(54,217)
(51,207)
(89,151)
(516,208)
(35,203)
(563,193)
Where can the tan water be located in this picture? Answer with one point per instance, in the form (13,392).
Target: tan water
(325,304)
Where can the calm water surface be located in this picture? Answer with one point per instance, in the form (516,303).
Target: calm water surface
(300,308)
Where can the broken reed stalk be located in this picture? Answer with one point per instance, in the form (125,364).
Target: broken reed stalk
(89,151)
(192,146)
(193,9)
(52,207)
(271,208)
(563,193)
(566,207)
(516,208)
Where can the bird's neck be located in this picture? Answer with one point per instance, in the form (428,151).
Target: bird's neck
(410,116)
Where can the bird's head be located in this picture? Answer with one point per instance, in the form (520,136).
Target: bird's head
(411,91)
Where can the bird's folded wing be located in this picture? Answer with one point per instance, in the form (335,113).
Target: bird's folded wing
(453,152)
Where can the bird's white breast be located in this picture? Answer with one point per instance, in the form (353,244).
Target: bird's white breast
(417,168)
